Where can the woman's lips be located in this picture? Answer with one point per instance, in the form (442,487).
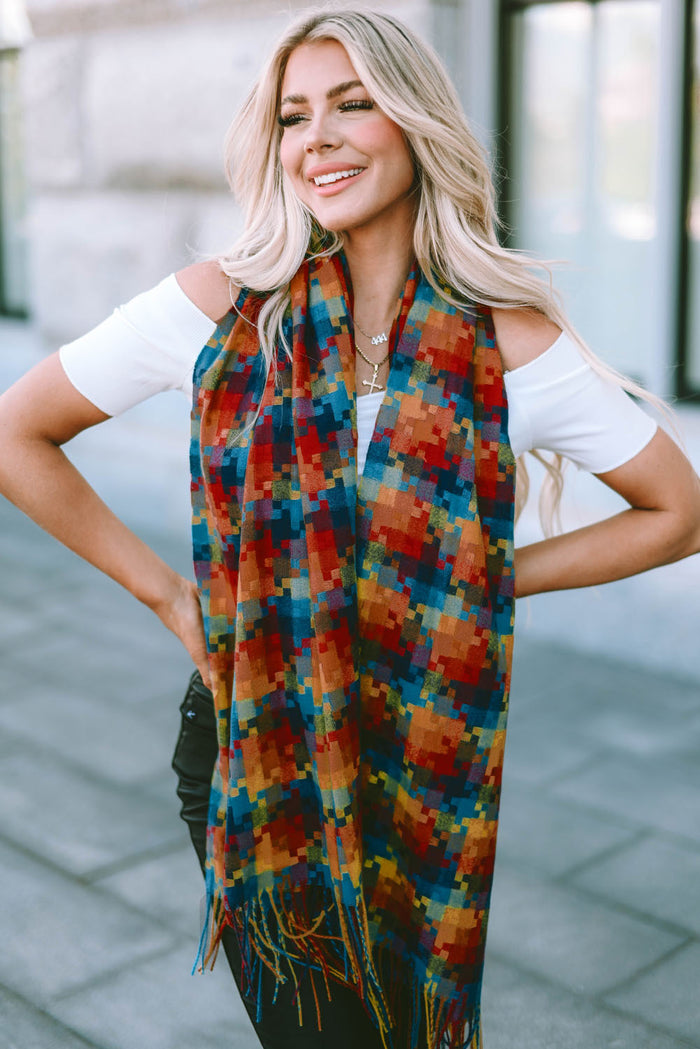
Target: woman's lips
(344,176)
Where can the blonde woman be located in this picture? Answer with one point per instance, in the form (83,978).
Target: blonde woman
(372,365)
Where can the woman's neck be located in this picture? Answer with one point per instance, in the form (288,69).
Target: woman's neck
(378,271)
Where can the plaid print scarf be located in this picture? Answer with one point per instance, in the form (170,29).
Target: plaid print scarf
(360,639)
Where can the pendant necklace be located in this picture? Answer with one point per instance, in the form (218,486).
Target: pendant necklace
(376,365)
(376,340)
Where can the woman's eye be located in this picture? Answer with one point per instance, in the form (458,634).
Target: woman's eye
(356,103)
(290,120)
(349,106)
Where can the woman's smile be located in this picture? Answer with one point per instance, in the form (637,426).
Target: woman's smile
(338,178)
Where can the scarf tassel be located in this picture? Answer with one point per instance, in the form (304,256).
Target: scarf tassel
(276,933)
(423,1018)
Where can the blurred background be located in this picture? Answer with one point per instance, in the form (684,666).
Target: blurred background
(112,115)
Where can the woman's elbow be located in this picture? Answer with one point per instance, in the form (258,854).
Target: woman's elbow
(44,406)
(685,537)
(691,537)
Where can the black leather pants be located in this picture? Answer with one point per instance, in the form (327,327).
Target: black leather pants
(345,1025)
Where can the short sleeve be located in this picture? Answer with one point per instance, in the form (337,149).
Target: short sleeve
(558,403)
(147,346)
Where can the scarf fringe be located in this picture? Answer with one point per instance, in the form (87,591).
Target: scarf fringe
(276,932)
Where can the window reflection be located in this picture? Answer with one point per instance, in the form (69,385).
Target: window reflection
(13,267)
(693,220)
(584,161)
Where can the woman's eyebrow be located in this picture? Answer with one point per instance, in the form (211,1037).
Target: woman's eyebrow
(333,92)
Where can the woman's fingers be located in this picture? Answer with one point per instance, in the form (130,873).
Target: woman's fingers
(182,614)
(195,643)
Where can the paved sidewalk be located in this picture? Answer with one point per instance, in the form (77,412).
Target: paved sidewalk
(595,926)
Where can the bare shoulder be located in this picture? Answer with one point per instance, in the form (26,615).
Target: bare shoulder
(208,287)
(522,334)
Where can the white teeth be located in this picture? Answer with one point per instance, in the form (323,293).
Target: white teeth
(326,180)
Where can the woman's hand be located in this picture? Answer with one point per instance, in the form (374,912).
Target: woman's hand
(181,613)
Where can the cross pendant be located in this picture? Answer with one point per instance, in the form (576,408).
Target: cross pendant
(373,384)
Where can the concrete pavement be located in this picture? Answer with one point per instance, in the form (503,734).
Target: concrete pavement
(595,924)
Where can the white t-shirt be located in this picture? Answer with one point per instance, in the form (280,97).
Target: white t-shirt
(556,402)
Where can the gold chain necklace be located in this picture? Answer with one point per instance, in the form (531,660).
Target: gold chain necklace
(376,365)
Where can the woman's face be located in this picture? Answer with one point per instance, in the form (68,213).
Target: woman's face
(346,160)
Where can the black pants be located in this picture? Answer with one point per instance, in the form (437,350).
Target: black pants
(345,1024)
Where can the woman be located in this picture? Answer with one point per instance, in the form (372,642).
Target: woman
(353,494)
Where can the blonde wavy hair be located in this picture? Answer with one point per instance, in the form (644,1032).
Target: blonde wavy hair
(454,240)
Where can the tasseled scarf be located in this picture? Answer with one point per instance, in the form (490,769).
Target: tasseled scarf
(360,638)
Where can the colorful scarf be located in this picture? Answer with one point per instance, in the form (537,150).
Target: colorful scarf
(360,639)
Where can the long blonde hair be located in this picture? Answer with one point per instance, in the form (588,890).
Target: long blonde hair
(454,240)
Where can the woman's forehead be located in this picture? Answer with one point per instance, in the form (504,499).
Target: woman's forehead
(317,64)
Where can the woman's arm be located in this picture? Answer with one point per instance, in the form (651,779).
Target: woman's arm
(660,485)
(661,526)
(39,414)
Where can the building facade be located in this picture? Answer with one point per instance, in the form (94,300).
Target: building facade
(114,112)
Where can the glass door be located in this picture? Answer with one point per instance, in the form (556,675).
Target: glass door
(582,136)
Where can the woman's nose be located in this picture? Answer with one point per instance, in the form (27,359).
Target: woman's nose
(321,135)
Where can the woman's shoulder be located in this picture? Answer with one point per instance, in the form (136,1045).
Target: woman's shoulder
(209,288)
(522,334)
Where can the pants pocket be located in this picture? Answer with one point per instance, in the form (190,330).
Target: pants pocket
(194,759)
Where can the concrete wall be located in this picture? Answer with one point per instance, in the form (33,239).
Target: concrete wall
(126,104)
